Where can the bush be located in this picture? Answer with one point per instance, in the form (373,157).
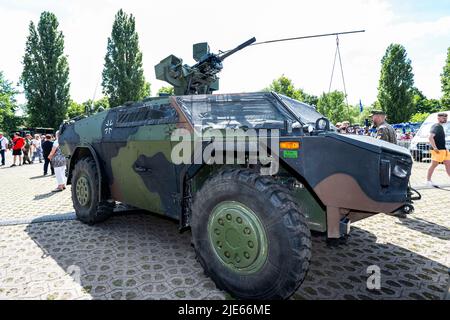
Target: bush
(419,117)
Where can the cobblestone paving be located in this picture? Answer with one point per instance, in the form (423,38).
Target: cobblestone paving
(419,176)
(27,193)
(142,256)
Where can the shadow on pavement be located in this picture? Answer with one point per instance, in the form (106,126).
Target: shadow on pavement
(341,273)
(142,256)
(39,177)
(44,196)
(426,227)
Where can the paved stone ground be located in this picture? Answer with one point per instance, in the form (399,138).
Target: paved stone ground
(142,256)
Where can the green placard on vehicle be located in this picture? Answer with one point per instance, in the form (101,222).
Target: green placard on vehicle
(290,154)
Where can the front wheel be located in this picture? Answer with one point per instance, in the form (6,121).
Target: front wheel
(85,198)
(250,236)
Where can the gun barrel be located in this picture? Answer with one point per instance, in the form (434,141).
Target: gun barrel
(239,47)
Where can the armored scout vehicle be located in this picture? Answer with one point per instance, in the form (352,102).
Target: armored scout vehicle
(250,221)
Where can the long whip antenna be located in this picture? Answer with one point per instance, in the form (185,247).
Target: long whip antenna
(309,37)
(301,38)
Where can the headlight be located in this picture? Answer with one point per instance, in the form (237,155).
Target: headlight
(400,172)
(323,124)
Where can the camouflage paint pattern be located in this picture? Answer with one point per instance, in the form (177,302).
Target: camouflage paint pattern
(135,159)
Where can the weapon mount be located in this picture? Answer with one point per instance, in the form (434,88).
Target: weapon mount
(200,78)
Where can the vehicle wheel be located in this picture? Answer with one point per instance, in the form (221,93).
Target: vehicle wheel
(85,193)
(250,236)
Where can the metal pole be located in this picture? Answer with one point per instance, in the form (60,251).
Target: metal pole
(309,37)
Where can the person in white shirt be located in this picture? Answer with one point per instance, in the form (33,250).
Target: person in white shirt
(3,148)
(36,148)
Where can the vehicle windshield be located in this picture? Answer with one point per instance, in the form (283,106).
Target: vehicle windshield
(236,111)
(424,131)
(306,113)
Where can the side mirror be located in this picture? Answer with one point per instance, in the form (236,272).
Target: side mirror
(288,126)
(308,128)
(323,124)
(296,125)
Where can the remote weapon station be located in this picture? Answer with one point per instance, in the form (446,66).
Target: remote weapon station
(200,78)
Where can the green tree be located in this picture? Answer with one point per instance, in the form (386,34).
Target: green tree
(285,86)
(357,117)
(423,105)
(445,83)
(166,90)
(395,89)
(75,109)
(87,107)
(419,101)
(8,106)
(419,117)
(123,74)
(101,103)
(332,105)
(45,76)
(365,115)
(309,98)
(95,106)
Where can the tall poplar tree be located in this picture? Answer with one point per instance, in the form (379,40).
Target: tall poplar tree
(396,85)
(445,81)
(123,75)
(45,76)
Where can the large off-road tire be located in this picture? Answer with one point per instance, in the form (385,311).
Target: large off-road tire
(250,236)
(85,181)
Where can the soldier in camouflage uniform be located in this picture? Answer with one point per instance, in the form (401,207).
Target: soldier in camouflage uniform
(384,130)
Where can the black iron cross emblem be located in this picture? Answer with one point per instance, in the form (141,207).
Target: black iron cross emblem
(108,127)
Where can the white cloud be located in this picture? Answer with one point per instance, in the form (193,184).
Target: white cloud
(172,27)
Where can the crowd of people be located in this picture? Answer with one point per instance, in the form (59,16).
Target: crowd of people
(28,149)
(400,134)
(380,128)
(346,128)
(384,131)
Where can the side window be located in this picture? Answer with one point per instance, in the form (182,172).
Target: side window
(145,114)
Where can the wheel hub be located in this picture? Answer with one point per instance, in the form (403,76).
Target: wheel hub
(238,237)
(83,191)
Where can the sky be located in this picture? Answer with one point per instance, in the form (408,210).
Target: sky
(171,27)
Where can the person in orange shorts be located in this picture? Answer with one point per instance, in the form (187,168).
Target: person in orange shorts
(439,152)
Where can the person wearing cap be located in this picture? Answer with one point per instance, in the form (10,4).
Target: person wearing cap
(439,152)
(384,131)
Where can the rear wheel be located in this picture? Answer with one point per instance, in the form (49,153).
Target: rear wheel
(85,181)
(250,236)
